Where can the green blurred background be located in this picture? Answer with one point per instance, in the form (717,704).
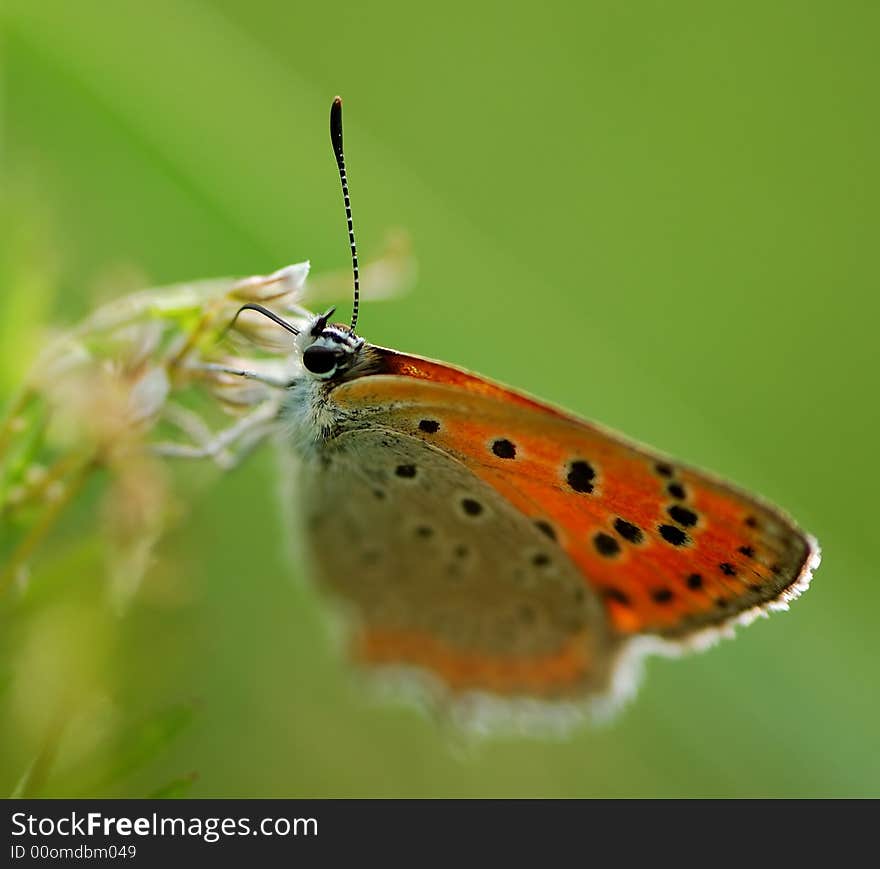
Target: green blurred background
(693,187)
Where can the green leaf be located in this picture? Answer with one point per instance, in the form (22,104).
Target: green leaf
(130,750)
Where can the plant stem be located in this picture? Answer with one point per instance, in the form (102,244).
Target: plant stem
(41,528)
(7,424)
(34,778)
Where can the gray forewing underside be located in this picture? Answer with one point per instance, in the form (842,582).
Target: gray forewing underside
(408,539)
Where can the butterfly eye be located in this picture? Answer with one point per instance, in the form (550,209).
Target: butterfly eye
(319,359)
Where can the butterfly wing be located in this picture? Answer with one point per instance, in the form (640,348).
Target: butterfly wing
(640,545)
(442,574)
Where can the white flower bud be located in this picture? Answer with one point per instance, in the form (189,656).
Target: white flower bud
(286,283)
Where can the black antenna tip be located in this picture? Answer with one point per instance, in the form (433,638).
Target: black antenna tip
(336,140)
(336,125)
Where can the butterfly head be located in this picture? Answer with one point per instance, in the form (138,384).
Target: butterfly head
(328,349)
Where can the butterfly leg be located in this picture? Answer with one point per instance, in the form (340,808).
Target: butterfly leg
(192,425)
(266,379)
(243,435)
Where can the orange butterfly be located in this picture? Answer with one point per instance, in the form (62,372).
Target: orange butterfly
(501,547)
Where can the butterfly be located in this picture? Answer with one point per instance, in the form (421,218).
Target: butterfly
(502,548)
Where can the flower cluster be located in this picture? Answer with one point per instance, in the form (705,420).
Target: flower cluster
(147,377)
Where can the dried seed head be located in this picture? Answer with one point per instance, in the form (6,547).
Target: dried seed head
(284,286)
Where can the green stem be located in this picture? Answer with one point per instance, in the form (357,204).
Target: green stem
(37,533)
(34,778)
(7,424)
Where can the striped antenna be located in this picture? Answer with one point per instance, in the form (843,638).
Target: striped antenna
(336,140)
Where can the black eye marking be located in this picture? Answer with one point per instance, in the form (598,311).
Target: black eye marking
(424,531)
(504,449)
(662,595)
(580,474)
(407,471)
(751,521)
(429,426)
(319,359)
(540,559)
(471,507)
(673,535)
(606,545)
(628,531)
(695,581)
(682,515)
(663,469)
(727,569)
(676,490)
(617,595)
(747,551)
(776,568)
(545,528)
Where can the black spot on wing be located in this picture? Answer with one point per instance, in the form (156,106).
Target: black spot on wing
(504,449)
(527,614)
(677,491)
(618,596)
(682,515)
(546,528)
(580,476)
(628,531)
(471,506)
(540,559)
(672,534)
(606,545)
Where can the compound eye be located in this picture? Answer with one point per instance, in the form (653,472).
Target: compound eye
(319,359)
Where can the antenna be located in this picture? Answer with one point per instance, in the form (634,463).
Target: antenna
(336,140)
